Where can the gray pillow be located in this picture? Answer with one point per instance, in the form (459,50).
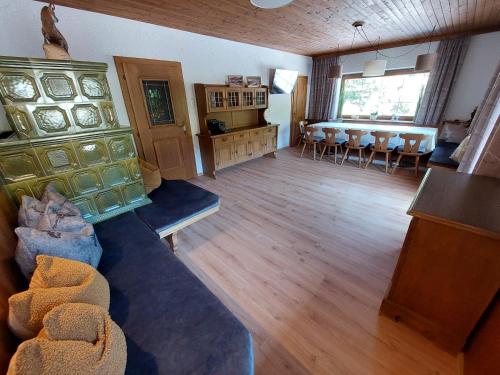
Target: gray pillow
(82,246)
(51,194)
(30,211)
(56,219)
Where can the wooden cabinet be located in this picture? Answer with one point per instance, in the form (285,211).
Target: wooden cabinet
(260,97)
(248,98)
(222,98)
(448,270)
(233,98)
(221,151)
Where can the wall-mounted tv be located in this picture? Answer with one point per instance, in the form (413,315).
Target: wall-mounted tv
(283,81)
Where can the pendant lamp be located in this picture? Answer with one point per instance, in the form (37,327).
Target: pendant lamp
(374,68)
(425,62)
(270,4)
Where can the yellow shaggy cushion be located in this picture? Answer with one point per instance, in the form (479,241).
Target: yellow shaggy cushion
(54,282)
(76,338)
(151,175)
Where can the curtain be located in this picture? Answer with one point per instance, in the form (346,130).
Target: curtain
(451,54)
(482,155)
(322,94)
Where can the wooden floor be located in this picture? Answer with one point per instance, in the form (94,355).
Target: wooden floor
(302,252)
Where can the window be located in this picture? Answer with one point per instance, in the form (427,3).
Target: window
(396,95)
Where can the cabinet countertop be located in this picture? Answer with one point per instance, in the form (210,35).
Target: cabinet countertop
(238,130)
(461,200)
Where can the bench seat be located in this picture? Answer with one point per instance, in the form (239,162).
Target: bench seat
(172,322)
(177,204)
(441,155)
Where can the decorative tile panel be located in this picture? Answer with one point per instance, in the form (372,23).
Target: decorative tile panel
(109,200)
(58,86)
(18,87)
(19,189)
(85,182)
(57,159)
(133,193)
(134,169)
(87,207)
(121,148)
(20,122)
(20,166)
(51,119)
(60,183)
(93,86)
(86,116)
(108,110)
(92,152)
(114,174)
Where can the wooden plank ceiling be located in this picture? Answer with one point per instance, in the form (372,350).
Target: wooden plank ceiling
(310,27)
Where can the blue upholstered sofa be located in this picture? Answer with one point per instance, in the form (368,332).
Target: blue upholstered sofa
(441,155)
(173,324)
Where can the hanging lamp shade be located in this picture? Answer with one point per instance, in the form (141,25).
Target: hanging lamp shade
(270,4)
(374,68)
(335,71)
(425,62)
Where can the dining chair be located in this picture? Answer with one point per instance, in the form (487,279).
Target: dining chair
(354,143)
(302,129)
(330,141)
(412,147)
(311,139)
(382,145)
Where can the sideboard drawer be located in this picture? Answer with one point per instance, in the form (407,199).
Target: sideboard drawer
(270,130)
(222,140)
(241,136)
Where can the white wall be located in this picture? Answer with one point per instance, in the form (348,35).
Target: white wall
(478,69)
(479,66)
(97,37)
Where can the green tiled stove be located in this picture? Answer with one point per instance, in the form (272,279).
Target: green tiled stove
(67,132)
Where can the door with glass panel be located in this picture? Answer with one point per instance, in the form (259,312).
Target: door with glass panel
(156,105)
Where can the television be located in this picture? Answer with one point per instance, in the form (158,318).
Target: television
(283,81)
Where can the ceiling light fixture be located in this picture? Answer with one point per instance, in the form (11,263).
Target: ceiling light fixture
(270,4)
(426,61)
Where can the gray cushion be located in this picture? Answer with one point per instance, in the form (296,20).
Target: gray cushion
(56,219)
(81,246)
(30,211)
(51,194)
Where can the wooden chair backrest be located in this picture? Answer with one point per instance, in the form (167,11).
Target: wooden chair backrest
(302,126)
(355,137)
(330,135)
(412,142)
(309,133)
(382,140)
(11,280)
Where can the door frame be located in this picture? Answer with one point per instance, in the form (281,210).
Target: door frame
(292,139)
(119,62)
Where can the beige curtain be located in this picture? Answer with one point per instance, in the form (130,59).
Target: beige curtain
(482,155)
(322,92)
(451,54)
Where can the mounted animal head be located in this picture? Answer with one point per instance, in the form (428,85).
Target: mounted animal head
(49,14)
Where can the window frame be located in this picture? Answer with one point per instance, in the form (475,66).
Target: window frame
(393,72)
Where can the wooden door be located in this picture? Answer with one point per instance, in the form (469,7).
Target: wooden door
(216,99)
(299,99)
(248,98)
(156,105)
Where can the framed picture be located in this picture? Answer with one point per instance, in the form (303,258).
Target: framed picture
(235,81)
(253,81)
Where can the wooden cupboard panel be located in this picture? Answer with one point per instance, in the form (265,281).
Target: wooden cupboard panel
(168,154)
(224,155)
(216,99)
(241,150)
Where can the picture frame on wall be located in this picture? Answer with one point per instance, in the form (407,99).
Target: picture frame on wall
(235,81)
(254,81)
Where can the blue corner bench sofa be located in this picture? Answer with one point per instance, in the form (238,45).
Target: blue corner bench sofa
(172,322)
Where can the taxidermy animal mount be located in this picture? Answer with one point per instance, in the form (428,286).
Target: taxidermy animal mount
(55,46)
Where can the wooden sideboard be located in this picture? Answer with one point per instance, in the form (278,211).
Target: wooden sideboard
(224,150)
(248,135)
(448,271)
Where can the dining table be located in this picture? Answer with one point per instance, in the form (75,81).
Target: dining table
(429,142)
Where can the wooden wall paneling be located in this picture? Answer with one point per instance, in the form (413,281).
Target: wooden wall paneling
(11,280)
(311,28)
